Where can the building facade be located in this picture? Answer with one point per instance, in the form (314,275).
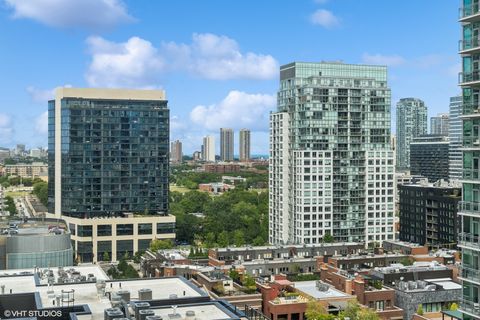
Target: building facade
(429,157)
(176,153)
(411,123)
(208,149)
(108,157)
(428,214)
(244,145)
(439,124)
(455,137)
(331,162)
(27,170)
(226,144)
(469,213)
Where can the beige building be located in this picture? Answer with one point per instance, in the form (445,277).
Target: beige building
(244,145)
(176,153)
(28,170)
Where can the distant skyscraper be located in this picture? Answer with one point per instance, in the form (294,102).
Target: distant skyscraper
(439,124)
(331,163)
(176,153)
(411,123)
(429,157)
(244,145)
(208,149)
(108,159)
(226,144)
(455,135)
(469,209)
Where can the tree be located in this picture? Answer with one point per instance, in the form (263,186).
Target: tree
(453,306)
(327,238)
(259,241)
(238,238)
(106,256)
(138,255)
(315,311)
(10,205)
(158,244)
(40,189)
(222,239)
(406,261)
(351,311)
(210,240)
(420,310)
(234,275)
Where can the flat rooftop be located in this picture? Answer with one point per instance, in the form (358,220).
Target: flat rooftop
(86,292)
(296,246)
(310,288)
(207,311)
(33,227)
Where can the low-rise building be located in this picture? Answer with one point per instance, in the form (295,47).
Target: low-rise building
(365,261)
(28,170)
(221,167)
(215,187)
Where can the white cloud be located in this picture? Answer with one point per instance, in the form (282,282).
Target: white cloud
(41,123)
(42,95)
(6,128)
(388,60)
(135,63)
(88,14)
(325,18)
(238,110)
(138,63)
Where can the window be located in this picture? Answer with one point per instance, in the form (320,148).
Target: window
(84,231)
(165,227)
(143,244)
(104,230)
(144,228)
(124,230)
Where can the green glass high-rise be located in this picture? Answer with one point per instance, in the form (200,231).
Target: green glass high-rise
(469,211)
(331,162)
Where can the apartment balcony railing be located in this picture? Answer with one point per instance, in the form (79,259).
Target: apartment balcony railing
(469,46)
(467,13)
(470,274)
(469,207)
(471,109)
(470,307)
(468,239)
(471,142)
(469,78)
(470,174)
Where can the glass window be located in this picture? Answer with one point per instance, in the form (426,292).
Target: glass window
(165,227)
(144,228)
(143,244)
(71,226)
(104,250)
(124,247)
(124,229)
(84,231)
(104,230)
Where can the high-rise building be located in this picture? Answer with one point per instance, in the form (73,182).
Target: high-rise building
(108,159)
(455,136)
(469,208)
(439,124)
(226,144)
(208,149)
(428,213)
(176,154)
(244,145)
(331,162)
(429,157)
(411,123)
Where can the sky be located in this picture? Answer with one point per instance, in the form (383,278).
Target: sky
(218,61)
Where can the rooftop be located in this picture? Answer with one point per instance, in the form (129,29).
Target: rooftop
(33,227)
(86,292)
(325,292)
(297,246)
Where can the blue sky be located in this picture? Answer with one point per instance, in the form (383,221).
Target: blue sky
(217,60)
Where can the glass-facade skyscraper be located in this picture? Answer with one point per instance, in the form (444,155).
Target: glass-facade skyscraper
(411,123)
(331,162)
(108,152)
(469,210)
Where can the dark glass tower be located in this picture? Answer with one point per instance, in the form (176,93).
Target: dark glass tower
(108,152)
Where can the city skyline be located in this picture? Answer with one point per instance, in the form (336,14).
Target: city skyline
(232,81)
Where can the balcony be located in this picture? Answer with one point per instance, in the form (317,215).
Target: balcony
(470,274)
(470,142)
(470,110)
(471,174)
(469,13)
(469,46)
(469,240)
(469,207)
(469,79)
(470,307)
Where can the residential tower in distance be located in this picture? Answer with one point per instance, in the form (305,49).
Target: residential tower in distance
(226,144)
(244,145)
(411,123)
(176,153)
(208,149)
(331,162)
